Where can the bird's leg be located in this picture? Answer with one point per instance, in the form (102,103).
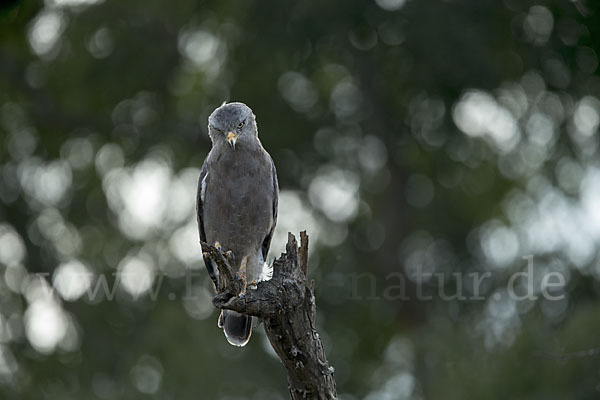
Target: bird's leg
(242,275)
(220,248)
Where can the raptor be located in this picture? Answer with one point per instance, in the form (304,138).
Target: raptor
(237,205)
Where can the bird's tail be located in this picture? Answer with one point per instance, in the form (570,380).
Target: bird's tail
(237,327)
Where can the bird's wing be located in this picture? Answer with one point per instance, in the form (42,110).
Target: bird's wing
(267,241)
(200,213)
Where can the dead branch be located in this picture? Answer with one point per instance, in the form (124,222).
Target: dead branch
(287,306)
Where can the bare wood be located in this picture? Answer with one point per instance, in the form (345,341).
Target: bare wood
(287,306)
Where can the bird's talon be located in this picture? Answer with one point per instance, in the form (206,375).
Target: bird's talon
(252,285)
(220,248)
(230,256)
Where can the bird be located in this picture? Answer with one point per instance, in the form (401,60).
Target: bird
(236,206)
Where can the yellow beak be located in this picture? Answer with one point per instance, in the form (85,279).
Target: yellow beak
(231,138)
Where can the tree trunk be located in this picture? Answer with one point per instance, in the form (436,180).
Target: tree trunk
(287,306)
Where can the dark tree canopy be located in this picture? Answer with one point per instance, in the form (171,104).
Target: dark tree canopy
(432,150)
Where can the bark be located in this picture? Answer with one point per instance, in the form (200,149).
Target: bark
(287,306)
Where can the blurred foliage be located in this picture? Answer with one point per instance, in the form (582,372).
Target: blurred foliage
(452,137)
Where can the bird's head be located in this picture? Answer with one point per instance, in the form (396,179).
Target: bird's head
(232,124)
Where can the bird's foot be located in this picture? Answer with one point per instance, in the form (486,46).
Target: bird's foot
(230,256)
(252,285)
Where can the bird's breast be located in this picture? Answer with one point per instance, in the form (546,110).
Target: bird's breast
(238,204)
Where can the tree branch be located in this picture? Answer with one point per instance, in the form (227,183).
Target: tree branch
(287,306)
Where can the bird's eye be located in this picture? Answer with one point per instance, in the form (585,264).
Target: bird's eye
(241,125)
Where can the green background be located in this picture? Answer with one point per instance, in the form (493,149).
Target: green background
(453,137)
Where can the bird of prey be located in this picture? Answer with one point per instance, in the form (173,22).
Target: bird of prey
(237,205)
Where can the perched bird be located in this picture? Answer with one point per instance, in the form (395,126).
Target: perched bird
(237,205)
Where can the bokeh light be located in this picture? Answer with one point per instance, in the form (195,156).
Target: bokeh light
(443,158)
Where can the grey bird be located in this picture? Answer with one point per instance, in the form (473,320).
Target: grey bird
(237,205)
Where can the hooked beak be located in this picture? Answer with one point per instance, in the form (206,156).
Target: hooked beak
(231,138)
